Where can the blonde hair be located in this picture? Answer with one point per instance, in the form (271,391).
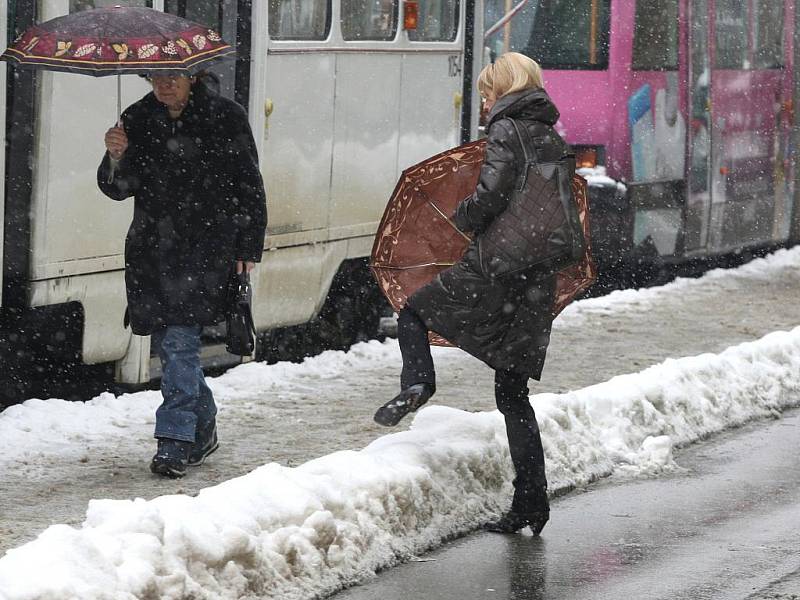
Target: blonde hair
(511,72)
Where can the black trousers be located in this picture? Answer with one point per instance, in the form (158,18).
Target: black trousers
(511,395)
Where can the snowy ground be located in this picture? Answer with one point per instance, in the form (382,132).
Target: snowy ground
(288,532)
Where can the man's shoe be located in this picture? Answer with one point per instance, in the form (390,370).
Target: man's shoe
(512,522)
(200,452)
(409,400)
(171,458)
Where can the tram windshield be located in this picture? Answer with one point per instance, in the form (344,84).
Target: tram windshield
(558,34)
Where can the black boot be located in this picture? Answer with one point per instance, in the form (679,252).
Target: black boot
(171,458)
(409,400)
(512,522)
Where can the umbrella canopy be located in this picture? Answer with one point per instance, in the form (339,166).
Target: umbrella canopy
(116,41)
(416,239)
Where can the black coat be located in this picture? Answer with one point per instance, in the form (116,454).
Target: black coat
(503,321)
(199,205)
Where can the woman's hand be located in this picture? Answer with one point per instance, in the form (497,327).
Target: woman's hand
(241,265)
(116,142)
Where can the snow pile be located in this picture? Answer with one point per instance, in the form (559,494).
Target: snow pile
(769,270)
(282,532)
(597,176)
(37,428)
(40,427)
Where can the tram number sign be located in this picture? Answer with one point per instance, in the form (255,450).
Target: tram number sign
(454,65)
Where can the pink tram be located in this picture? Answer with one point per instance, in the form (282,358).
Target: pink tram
(684,105)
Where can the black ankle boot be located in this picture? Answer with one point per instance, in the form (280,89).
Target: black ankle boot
(409,400)
(512,522)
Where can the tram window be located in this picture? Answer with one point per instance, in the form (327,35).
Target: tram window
(79,5)
(731,34)
(206,12)
(299,19)
(768,26)
(438,21)
(559,34)
(655,37)
(369,20)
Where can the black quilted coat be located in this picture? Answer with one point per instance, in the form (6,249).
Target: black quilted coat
(503,321)
(199,205)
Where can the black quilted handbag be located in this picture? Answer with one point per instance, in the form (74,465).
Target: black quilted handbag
(240,335)
(540,230)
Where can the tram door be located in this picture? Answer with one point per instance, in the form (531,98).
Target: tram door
(698,208)
(746,105)
(296,95)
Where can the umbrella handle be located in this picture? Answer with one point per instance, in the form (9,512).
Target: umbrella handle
(118,121)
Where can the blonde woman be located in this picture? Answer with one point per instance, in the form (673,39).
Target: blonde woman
(504,321)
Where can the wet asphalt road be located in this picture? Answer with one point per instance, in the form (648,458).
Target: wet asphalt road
(725,526)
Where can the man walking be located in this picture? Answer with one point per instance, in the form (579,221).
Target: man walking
(187,156)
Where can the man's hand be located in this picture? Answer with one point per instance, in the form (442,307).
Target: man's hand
(241,265)
(116,142)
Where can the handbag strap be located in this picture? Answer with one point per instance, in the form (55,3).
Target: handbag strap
(248,313)
(522,142)
(525,140)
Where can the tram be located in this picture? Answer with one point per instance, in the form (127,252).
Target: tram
(680,112)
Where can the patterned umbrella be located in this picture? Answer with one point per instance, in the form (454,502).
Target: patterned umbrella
(416,239)
(117,41)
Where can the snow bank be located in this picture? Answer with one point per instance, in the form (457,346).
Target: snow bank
(282,532)
(769,269)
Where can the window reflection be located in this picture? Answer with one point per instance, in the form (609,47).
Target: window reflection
(438,21)
(79,5)
(299,19)
(559,34)
(369,19)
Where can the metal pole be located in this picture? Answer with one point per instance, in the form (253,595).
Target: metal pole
(794,230)
(505,19)
(119,100)
(507,30)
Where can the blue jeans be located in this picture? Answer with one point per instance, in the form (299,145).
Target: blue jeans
(188,410)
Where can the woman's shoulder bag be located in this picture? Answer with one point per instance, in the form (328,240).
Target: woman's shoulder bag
(540,230)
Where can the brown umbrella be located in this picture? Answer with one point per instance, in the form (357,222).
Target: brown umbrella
(416,238)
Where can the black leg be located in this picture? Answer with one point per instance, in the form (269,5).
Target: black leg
(524,441)
(412,334)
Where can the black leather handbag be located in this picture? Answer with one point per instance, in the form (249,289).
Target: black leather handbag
(241,331)
(540,229)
